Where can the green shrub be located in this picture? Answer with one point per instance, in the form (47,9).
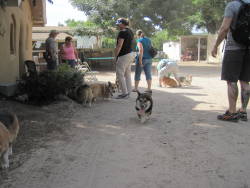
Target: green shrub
(48,85)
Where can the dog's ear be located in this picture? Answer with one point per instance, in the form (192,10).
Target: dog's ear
(109,83)
(138,92)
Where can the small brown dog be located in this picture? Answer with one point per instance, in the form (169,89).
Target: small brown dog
(166,81)
(9,128)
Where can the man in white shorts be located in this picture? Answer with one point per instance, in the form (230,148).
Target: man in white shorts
(166,67)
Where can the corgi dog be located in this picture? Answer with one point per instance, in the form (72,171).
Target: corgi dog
(102,90)
(186,80)
(166,81)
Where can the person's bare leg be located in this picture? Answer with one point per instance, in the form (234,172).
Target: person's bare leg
(160,82)
(136,84)
(232,91)
(149,82)
(245,94)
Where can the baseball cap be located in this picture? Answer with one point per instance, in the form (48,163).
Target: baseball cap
(122,21)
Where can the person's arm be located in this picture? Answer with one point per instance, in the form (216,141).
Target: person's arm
(76,53)
(118,47)
(225,26)
(140,47)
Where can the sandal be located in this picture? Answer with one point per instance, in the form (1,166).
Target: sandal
(228,116)
(242,116)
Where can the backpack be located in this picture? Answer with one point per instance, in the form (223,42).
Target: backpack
(241,33)
(152,51)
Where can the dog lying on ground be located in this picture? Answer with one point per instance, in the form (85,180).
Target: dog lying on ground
(9,128)
(144,106)
(166,81)
(186,80)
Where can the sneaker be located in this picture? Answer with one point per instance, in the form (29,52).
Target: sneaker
(242,116)
(233,117)
(123,96)
(134,90)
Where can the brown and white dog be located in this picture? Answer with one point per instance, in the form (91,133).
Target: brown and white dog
(102,90)
(166,81)
(88,93)
(186,80)
(9,128)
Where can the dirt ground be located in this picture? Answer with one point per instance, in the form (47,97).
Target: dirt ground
(66,145)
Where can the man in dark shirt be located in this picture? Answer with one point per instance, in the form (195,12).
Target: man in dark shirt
(124,57)
(51,50)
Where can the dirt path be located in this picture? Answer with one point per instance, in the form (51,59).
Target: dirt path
(182,145)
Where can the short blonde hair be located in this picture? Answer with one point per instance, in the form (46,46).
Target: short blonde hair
(139,32)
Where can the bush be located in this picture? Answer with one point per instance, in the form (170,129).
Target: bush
(48,85)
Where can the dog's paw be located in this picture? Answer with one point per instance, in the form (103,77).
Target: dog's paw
(142,120)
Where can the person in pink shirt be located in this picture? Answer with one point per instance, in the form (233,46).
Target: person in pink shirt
(68,53)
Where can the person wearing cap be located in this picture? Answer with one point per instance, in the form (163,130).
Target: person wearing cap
(124,57)
(143,60)
(51,50)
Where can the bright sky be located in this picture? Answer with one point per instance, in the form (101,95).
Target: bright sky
(60,11)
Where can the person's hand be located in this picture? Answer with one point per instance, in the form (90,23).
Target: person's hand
(141,65)
(214,51)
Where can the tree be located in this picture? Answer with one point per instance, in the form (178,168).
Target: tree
(148,15)
(160,37)
(207,14)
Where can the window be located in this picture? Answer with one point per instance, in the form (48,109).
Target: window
(13,35)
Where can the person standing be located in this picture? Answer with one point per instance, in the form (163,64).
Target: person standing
(143,60)
(68,53)
(124,57)
(235,65)
(51,50)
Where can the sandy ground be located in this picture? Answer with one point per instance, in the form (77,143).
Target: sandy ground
(65,145)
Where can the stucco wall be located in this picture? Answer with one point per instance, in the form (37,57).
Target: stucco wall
(10,69)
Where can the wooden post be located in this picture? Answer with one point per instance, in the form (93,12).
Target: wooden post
(199,49)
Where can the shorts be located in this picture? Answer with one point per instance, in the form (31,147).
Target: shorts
(147,67)
(167,70)
(70,62)
(236,66)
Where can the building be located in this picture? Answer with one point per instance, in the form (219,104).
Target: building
(193,48)
(16,20)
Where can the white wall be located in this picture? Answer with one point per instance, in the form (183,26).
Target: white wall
(172,49)
(87,42)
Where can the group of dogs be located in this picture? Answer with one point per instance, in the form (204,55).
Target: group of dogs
(85,94)
(170,82)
